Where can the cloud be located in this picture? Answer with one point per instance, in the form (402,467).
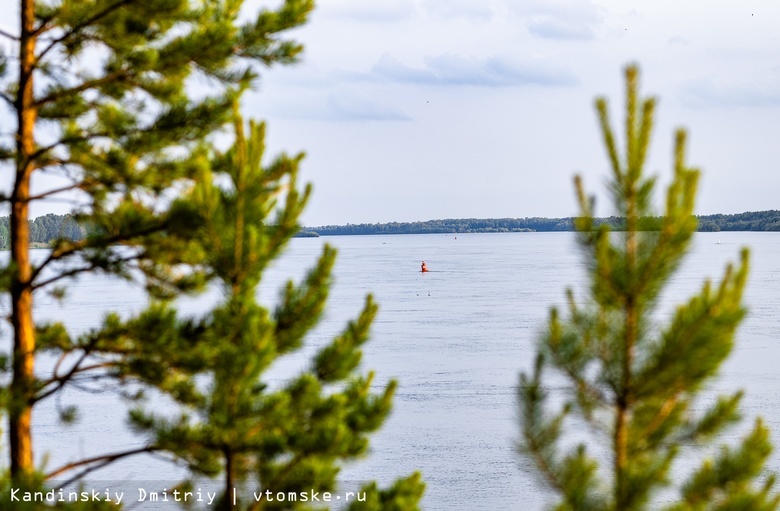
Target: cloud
(305,74)
(345,104)
(708,94)
(456,70)
(351,107)
(560,19)
(552,28)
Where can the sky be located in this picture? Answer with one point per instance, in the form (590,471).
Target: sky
(412,110)
(427,109)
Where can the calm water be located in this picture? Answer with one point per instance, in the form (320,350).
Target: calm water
(456,339)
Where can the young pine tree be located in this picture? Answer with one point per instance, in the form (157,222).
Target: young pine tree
(637,383)
(104,108)
(254,438)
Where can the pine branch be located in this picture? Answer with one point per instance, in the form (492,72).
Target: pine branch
(75,271)
(77,246)
(85,86)
(586,387)
(61,381)
(9,35)
(288,468)
(76,384)
(8,99)
(59,362)
(55,191)
(663,414)
(52,164)
(65,141)
(75,29)
(57,254)
(43,27)
(549,474)
(609,138)
(98,461)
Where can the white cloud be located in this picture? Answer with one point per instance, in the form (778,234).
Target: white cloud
(387,67)
(343,104)
(457,70)
(555,28)
(560,19)
(356,107)
(706,93)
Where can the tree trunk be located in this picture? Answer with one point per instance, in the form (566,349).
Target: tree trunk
(624,400)
(20,410)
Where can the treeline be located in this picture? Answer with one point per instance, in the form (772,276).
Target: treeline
(751,221)
(47,228)
(44,229)
(449,226)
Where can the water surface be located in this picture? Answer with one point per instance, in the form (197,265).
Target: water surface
(455,338)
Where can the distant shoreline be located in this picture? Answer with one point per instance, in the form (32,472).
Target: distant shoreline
(749,221)
(49,227)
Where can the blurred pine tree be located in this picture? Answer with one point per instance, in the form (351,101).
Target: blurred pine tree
(633,381)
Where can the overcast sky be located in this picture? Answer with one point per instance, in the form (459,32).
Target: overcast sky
(426,109)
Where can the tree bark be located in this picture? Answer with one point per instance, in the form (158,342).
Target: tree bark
(20,411)
(624,400)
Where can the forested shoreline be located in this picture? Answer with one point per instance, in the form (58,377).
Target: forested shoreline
(49,227)
(749,221)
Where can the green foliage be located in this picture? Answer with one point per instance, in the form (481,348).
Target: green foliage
(124,132)
(404,495)
(131,94)
(236,425)
(636,383)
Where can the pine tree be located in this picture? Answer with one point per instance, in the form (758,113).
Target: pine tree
(253,437)
(635,382)
(102,95)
